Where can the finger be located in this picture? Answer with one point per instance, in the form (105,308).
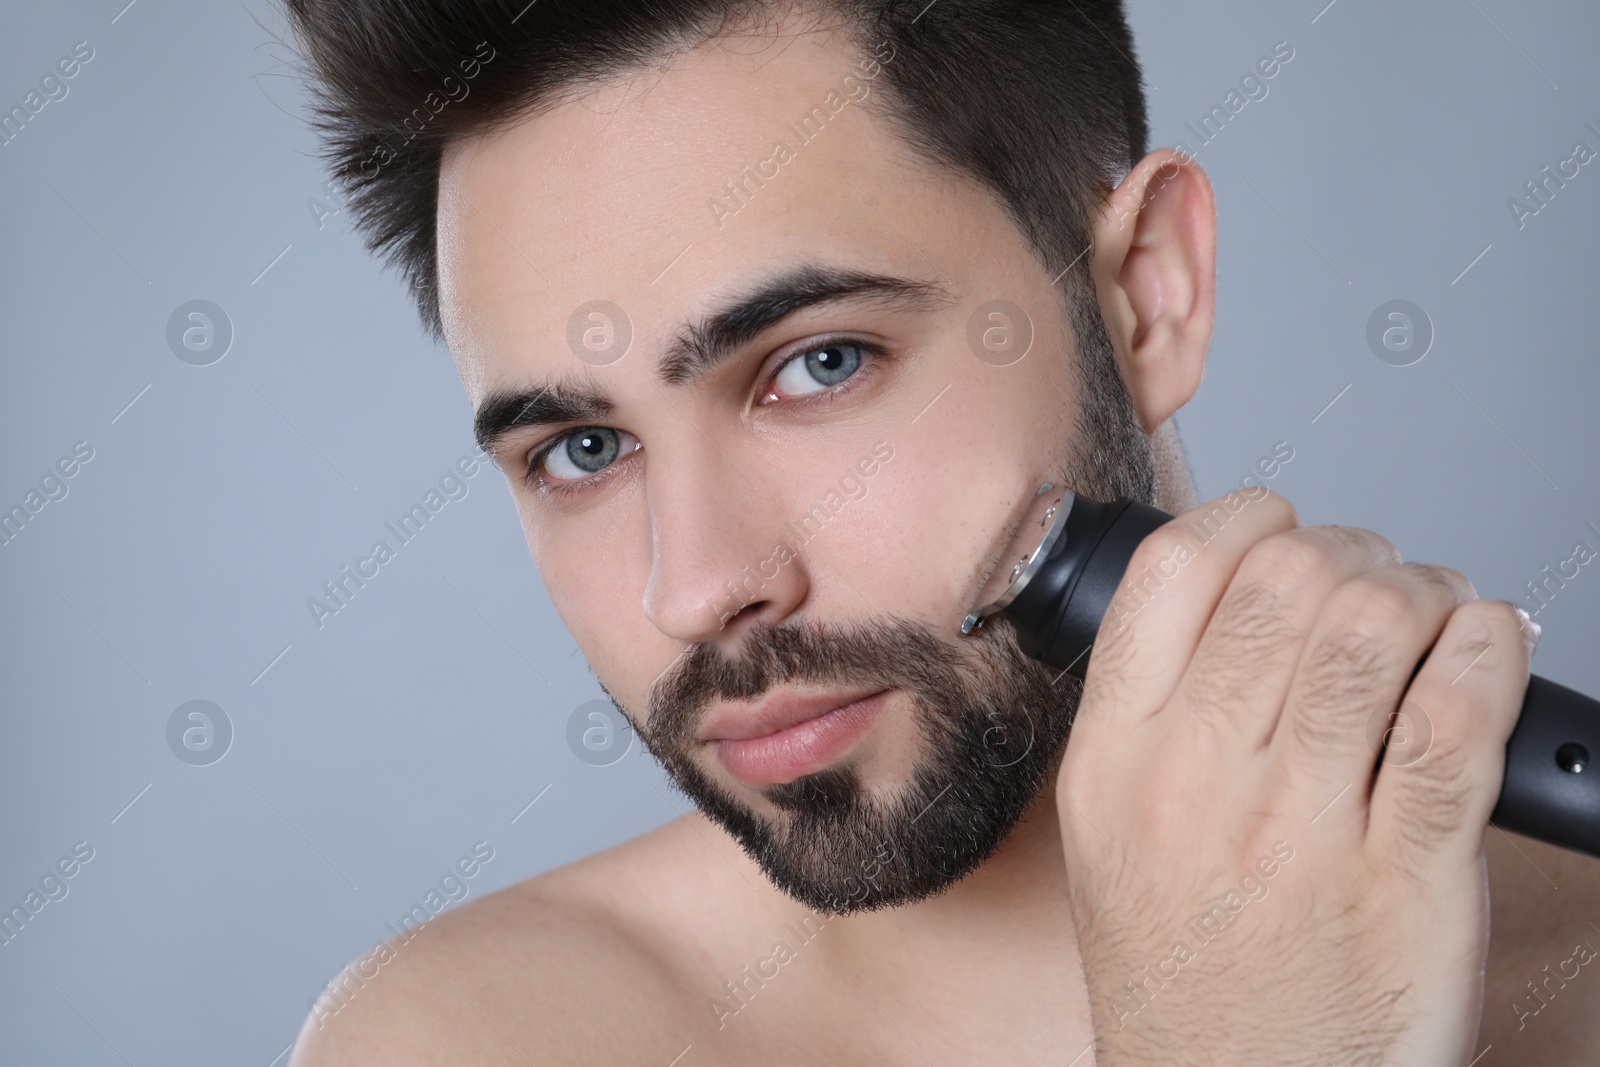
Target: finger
(1360,655)
(1172,583)
(1463,703)
(1236,684)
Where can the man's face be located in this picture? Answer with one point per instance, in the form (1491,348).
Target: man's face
(806,510)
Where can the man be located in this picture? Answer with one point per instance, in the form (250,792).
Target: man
(775,317)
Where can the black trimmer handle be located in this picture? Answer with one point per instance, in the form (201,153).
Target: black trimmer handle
(1550,791)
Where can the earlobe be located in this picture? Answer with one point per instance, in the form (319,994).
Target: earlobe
(1154,267)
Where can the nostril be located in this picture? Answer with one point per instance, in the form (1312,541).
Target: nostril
(733,610)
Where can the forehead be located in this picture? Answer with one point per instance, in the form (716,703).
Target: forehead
(665,188)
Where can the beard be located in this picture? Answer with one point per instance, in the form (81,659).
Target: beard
(991,732)
(993,723)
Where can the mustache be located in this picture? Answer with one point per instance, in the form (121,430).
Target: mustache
(890,651)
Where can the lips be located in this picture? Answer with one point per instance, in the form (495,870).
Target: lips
(790,735)
(779,711)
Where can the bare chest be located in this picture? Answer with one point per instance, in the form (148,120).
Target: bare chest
(793,1010)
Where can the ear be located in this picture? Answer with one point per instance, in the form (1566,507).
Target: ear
(1154,269)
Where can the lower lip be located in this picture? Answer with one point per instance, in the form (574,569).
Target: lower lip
(804,748)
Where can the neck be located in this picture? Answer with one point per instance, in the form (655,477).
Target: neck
(1013,906)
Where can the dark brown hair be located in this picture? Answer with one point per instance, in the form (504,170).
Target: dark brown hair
(1039,100)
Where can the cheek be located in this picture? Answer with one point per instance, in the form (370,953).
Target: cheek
(908,554)
(959,486)
(962,517)
(919,541)
(532,531)
(594,569)
(568,557)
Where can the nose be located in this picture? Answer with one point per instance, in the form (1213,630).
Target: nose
(722,556)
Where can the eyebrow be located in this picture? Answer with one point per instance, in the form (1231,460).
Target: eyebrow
(709,341)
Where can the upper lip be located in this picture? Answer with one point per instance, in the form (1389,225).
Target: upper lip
(778,711)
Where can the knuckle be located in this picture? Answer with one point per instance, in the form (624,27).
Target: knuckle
(1286,560)
(1444,580)
(1161,544)
(1279,508)
(1364,613)
(1380,550)
(1215,514)
(1344,680)
(1481,620)
(1489,634)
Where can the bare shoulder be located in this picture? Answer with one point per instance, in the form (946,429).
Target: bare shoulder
(588,963)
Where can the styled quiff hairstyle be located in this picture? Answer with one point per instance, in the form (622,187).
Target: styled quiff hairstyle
(1039,100)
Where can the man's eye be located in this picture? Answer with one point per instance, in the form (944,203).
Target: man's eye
(584,453)
(818,369)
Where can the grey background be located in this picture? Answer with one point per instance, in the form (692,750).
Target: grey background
(425,716)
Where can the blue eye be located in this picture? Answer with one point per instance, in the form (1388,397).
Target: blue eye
(573,462)
(818,369)
(583,453)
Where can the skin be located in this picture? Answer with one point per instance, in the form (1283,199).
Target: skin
(616,958)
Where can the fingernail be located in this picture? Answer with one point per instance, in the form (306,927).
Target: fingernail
(1531,630)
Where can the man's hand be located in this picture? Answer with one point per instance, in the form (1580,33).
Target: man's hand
(1254,876)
